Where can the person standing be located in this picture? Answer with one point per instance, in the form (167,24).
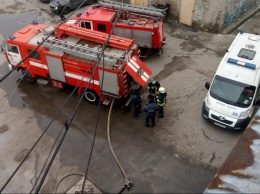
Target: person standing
(153,88)
(161,101)
(60,11)
(136,100)
(150,113)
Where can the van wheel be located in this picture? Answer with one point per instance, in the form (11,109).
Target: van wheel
(27,76)
(91,97)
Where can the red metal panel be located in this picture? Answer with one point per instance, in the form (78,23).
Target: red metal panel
(138,70)
(98,14)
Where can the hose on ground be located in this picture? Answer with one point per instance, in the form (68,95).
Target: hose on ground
(127,183)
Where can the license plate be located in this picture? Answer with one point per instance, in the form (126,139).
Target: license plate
(223,126)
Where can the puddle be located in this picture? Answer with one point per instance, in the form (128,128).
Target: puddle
(3,128)
(21,155)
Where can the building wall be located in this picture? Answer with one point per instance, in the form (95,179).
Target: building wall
(212,15)
(215,15)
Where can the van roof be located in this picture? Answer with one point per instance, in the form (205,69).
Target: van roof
(242,60)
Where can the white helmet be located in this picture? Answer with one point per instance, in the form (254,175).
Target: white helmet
(162,90)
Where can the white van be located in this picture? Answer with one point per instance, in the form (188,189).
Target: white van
(234,90)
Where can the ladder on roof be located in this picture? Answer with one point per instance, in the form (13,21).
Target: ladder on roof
(128,7)
(80,51)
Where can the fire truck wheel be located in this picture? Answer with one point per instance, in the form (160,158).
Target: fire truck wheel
(27,76)
(91,97)
(159,52)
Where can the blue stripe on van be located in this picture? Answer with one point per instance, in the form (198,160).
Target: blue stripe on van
(237,62)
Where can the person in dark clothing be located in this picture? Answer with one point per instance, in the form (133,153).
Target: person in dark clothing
(60,11)
(136,100)
(150,113)
(161,101)
(153,88)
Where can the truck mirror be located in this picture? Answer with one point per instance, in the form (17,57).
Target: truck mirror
(207,85)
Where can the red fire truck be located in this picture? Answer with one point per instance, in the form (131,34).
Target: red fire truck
(75,56)
(143,24)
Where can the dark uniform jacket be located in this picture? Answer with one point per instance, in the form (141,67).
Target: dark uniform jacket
(161,99)
(153,88)
(150,109)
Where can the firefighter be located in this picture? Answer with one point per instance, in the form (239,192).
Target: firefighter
(136,100)
(150,112)
(161,101)
(153,88)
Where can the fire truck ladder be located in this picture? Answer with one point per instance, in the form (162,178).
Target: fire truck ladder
(79,50)
(128,7)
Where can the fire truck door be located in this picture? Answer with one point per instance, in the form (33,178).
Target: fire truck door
(56,70)
(13,54)
(138,70)
(110,83)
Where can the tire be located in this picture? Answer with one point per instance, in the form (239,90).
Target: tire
(159,52)
(91,96)
(27,76)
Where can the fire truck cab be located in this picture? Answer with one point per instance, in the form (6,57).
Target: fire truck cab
(143,24)
(75,56)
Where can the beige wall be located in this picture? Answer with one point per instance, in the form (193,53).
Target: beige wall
(212,15)
(143,3)
(186,12)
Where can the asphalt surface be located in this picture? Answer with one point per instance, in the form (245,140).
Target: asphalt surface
(180,155)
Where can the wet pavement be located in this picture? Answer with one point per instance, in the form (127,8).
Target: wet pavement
(181,154)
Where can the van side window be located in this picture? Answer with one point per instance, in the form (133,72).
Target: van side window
(246,54)
(35,54)
(13,49)
(101,27)
(85,24)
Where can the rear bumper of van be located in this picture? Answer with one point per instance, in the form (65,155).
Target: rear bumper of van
(240,124)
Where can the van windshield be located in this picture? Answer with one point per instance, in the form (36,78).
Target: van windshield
(232,92)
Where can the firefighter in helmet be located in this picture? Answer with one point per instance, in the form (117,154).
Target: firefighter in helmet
(153,88)
(161,101)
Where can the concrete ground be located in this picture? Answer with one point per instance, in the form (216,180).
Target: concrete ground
(181,154)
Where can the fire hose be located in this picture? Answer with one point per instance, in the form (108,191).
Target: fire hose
(127,183)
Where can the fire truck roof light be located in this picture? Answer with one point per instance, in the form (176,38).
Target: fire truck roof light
(34,22)
(12,37)
(237,62)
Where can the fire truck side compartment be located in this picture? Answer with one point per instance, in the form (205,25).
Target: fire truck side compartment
(55,66)
(110,82)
